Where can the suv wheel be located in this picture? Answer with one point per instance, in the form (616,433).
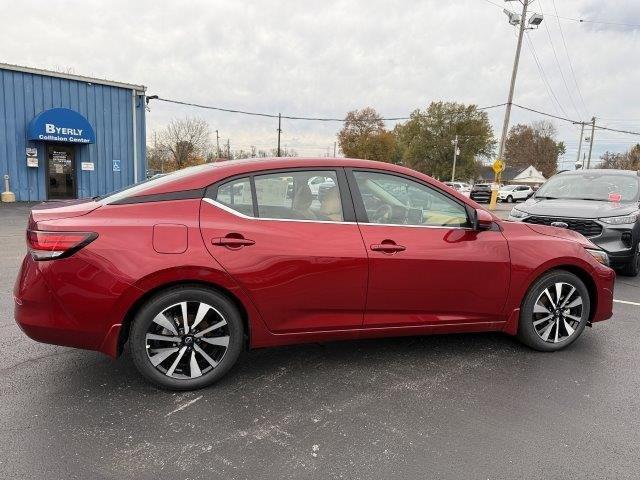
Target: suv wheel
(554,312)
(186,338)
(632,268)
(509,199)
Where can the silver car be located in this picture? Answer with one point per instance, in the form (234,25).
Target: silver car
(603,205)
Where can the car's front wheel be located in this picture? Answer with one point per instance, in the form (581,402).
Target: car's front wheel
(632,268)
(554,312)
(186,337)
(509,199)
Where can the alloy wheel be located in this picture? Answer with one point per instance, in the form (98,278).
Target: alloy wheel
(557,312)
(187,340)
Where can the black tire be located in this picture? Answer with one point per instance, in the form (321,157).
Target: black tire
(632,268)
(509,199)
(172,298)
(527,332)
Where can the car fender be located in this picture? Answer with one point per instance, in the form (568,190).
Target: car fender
(217,279)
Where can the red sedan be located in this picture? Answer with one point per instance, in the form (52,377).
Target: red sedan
(195,266)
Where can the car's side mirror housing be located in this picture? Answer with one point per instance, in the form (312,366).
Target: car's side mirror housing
(483,220)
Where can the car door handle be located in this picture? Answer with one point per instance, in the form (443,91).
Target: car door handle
(387,247)
(232,242)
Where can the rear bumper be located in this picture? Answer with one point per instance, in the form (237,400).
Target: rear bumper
(75,313)
(41,315)
(480,197)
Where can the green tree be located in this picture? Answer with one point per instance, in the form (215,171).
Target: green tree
(534,144)
(365,136)
(424,142)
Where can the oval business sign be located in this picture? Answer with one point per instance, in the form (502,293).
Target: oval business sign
(61,125)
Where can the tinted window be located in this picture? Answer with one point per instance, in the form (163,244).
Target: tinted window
(298,195)
(236,195)
(389,199)
(592,186)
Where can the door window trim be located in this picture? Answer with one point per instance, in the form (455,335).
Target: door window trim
(346,199)
(361,212)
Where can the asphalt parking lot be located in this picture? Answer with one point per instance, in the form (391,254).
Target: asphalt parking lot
(450,406)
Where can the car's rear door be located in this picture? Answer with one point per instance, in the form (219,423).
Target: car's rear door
(426,265)
(303,263)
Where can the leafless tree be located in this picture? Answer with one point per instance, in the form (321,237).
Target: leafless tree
(186,140)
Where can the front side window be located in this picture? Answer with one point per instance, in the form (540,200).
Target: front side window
(299,195)
(393,200)
(236,195)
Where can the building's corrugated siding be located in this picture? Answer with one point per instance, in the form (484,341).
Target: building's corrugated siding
(108,109)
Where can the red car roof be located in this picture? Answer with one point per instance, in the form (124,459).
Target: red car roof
(203,175)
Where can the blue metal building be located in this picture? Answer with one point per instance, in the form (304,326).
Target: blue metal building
(69,136)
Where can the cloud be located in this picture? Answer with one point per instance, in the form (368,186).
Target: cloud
(326,58)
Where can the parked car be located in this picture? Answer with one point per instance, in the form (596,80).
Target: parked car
(190,270)
(602,205)
(481,192)
(462,187)
(513,193)
(320,182)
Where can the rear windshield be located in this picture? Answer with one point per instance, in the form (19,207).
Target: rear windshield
(140,187)
(592,186)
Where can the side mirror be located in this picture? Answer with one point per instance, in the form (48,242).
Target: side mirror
(483,220)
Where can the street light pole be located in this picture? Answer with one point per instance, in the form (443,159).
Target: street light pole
(593,131)
(534,21)
(279,132)
(455,157)
(514,73)
(580,143)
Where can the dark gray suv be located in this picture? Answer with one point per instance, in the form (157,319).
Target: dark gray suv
(603,205)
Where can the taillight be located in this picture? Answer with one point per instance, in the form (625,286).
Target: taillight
(52,245)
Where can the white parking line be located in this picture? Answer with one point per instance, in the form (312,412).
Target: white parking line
(626,302)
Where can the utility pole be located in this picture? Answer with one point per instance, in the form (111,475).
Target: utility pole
(228,150)
(454,142)
(217,144)
(279,132)
(580,144)
(334,149)
(514,73)
(593,130)
(534,21)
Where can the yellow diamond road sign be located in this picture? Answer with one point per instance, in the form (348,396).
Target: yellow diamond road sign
(498,166)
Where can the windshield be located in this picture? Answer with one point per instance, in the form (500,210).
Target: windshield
(592,186)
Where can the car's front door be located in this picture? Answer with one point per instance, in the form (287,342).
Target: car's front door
(301,260)
(426,265)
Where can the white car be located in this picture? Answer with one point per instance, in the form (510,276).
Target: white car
(316,182)
(463,188)
(513,193)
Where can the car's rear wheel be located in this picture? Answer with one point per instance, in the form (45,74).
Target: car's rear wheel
(186,338)
(632,268)
(554,312)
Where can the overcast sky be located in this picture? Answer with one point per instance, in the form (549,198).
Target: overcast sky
(326,58)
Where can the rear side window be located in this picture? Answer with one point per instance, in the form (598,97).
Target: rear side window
(299,195)
(236,195)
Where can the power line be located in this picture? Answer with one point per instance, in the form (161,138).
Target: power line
(599,127)
(544,76)
(555,55)
(579,20)
(288,117)
(242,112)
(566,50)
